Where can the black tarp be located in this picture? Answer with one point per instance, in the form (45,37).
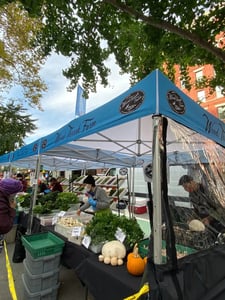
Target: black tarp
(198,277)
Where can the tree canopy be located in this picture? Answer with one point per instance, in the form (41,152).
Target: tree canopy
(20,61)
(14,126)
(20,83)
(143,36)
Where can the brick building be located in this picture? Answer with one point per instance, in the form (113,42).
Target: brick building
(212,102)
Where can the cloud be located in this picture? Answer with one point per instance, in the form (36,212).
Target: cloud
(59,104)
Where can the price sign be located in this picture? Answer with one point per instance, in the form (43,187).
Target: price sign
(86,241)
(61,213)
(54,220)
(120,235)
(76,231)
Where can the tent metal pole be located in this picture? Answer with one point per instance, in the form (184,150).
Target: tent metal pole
(128,197)
(35,191)
(133,194)
(10,169)
(157,196)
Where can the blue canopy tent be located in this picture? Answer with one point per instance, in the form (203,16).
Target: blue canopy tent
(103,128)
(148,121)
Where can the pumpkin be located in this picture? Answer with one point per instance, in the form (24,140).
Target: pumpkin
(113,253)
(196,225)
(135,263)
(145,259)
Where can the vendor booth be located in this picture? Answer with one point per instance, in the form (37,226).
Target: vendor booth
(154,125)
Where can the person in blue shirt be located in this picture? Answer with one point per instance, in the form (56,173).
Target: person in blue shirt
(97,196)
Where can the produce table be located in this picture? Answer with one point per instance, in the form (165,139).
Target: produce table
(103,281)
(73,255)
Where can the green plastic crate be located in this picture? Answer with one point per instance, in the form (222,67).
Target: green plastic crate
(144,244)
(42,244)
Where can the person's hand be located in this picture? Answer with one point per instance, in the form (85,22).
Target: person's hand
(92,202)
(78,212)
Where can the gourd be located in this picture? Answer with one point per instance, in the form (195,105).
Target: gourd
(196,225)
(135,263)
(113,253)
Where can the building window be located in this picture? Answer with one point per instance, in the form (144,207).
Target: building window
(182,84)
(221,112)
(219,93)
(201,96)
(198,75)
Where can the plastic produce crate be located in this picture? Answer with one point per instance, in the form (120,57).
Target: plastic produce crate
(67,232)
(43,264)
(48,294)
(144,244)
(42,244)
(37,283)
(47,220)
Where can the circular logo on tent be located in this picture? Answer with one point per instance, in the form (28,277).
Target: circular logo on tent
(148,172)
(35,147)
(176,102)
(44,144)
(132,102)
(123,171)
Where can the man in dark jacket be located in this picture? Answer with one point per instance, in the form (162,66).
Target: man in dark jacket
(202,201)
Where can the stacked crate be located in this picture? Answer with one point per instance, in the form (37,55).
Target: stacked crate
(41,266)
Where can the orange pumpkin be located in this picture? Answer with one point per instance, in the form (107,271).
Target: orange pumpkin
(135,263)
(145,260)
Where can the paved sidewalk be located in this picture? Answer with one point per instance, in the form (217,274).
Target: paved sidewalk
(70,286)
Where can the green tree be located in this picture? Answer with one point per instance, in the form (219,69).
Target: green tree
(20,61)
(20,83)
(142,34)
(14,126)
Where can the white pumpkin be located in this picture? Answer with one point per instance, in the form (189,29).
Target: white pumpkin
(196,225)
(114,249)
(113,253)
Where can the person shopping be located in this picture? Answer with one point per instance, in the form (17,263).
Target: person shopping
(55,186)
(8,189)
(97,197)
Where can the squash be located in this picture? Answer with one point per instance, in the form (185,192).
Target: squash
(113,253)
(101,257)
(107,260)
(114,249)
(135,263)
(114,261)
(145,259)
(196,225)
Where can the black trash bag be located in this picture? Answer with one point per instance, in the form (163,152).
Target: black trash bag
(19,250)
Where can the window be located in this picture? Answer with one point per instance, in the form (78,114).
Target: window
(182,84)
(201,96)
(221,112)
(198,75)
(219,93)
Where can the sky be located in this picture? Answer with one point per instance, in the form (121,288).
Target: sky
(59,104)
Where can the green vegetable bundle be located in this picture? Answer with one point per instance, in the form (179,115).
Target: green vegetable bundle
(104,225)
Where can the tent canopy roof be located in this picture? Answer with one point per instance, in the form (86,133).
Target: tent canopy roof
(120,131)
